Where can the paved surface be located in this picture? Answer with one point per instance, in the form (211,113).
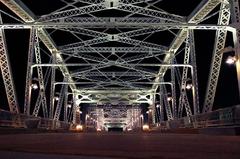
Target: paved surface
(121,145)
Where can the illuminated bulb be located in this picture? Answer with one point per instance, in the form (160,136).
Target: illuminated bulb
(34,86)
(147,112)
(188,86)
(169,98)
(231,60)
(69,105)
(145,127)
(158,106)
(56,98)
(79,127)
(129,129)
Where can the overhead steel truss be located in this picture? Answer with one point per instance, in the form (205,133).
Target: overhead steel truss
(111,59)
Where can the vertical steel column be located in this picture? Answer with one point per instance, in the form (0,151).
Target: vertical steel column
(75,105)
(183,100)
(52,89)
(60,101)
(161,118)
(43,99)
(153,108)
(7,73)
(28,88)
(174,102)
(166,103)
(194,76)
(65,105)
(220,38)
(235,16)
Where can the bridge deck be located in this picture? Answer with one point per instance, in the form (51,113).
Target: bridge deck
(122,145)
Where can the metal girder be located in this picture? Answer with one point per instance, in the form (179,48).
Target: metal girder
(84,31)
(65,110)
(174,96)
(7,74)
(204,8)
(28,86)
(40,79)
(73,12)
(91,21)
(150,12)
(220,38)
(24,13)
(235,17)
(52,88)
(183,100)
(139,32)
(108,38)
(163,93)
(136,50)
(75,105)
(140,43)
(102,24)
(60,102)
(114,74)
(77,45)
(193,62)
(19,9)
(122,1)
(87,57)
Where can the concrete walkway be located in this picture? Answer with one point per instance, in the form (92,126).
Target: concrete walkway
(122,145)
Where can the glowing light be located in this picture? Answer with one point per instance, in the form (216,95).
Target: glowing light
(147,112)
(56,98)
(157,105)
(145,127)
(34,86)
(69,106)
(231,60)
(188,86)
(169,98)
(129,129)
(79,127)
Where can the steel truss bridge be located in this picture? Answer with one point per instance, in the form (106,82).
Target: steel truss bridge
(100,52)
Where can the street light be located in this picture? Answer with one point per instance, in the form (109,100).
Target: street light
(69,106)
(56,98)
(34,86)
(169,99)
(189,86)
(231,60)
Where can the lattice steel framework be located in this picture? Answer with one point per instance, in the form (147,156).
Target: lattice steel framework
(110,59)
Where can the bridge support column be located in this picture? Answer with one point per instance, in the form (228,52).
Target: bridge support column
(236,36)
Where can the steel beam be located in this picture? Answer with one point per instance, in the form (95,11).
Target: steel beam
(220,38)
(6,70)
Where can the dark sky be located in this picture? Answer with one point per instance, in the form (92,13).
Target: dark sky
(227,95)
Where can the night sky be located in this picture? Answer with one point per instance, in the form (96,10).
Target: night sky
(227,91)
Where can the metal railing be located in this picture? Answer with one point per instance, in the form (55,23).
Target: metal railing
(221,117)
(8,119)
